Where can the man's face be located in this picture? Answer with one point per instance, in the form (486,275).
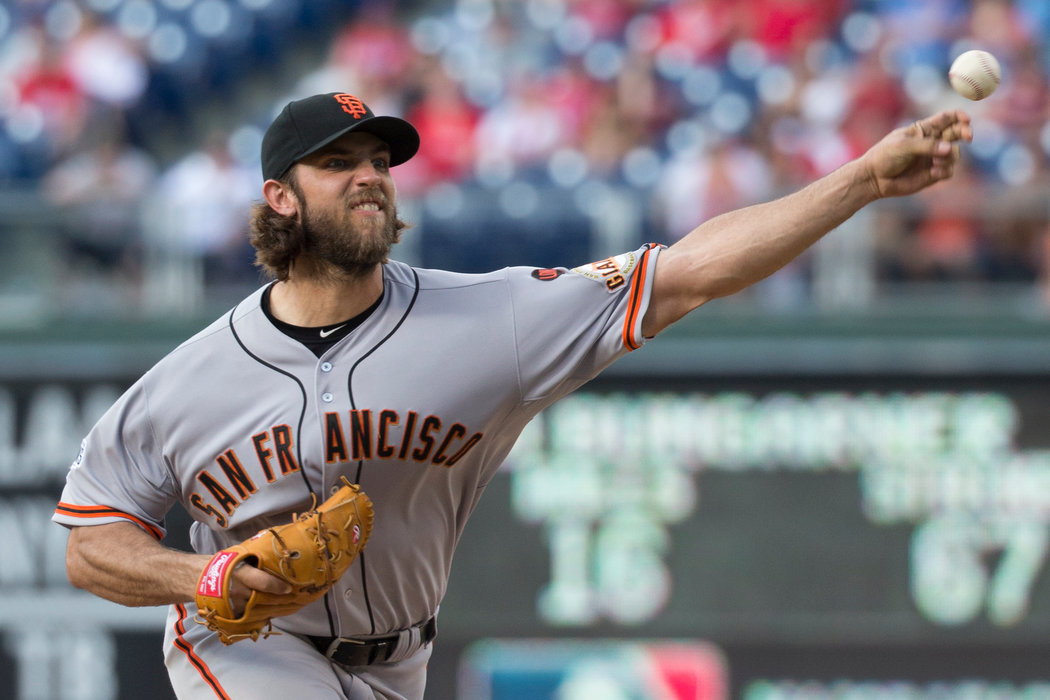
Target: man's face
(348,204)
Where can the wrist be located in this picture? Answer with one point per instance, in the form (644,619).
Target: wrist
(864,182)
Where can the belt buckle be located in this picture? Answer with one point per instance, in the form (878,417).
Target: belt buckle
(357,652)
(337,642)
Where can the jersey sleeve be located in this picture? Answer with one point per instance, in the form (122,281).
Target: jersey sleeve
(570,324)
(119,474)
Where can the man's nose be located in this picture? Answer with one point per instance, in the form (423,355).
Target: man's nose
(367,174)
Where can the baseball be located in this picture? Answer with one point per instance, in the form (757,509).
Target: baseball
(975,74)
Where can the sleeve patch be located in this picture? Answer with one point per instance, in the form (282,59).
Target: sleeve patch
(80,457)
(548,273)
(613,272)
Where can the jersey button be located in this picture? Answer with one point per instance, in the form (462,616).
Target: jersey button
(327,397)
(326,366)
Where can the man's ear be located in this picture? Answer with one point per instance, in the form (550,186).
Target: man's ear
(280,197)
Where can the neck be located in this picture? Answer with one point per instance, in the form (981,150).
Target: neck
(311,302)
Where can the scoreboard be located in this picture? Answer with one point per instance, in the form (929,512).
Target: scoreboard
(826,535)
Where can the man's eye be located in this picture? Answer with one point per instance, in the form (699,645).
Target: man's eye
(380,164)
(336,163)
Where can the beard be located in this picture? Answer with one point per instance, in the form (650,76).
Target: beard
(346,248)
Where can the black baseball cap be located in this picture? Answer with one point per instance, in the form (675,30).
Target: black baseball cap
(306,125)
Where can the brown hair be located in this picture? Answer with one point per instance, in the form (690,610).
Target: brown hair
(277,240)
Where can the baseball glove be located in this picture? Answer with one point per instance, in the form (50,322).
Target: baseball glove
(310,553)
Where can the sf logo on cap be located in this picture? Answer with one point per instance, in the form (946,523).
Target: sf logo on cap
(351,105)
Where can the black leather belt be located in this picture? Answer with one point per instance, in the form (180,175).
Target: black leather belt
(362,652)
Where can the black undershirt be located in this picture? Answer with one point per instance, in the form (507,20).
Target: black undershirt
(312,337)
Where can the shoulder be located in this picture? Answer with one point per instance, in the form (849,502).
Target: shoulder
(610,274)
(433,279)
(219,334)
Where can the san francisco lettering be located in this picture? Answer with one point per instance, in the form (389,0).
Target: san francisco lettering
(359,435)
(275,455)
(384,435)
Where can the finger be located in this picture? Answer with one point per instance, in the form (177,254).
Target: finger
(945,148)
(950,125)
(941,172)
(960,131)
(938,149)
(943,166)
(259,580)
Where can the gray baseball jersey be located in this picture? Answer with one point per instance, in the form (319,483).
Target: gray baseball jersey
(241,424)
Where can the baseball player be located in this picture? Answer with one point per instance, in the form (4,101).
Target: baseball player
(411,383)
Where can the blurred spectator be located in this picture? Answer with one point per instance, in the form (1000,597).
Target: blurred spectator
(200,211)
(921,32)
(877,102)
(606,19)
(701,29)
(784,27)
(947,245)
(523,129)
(446,123)
(375,45)
(699,184)
(608,135)
(1022,104)
(1015,228)
(938,236)
(100,189)
(50,104)
(997,26)
(576,97)
(641,98)
(105,64)
(373,54)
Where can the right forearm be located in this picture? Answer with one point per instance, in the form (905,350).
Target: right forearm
(124,564)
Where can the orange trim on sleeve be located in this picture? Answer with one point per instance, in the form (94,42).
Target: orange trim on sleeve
(73,511)
(197,662)
(635,304)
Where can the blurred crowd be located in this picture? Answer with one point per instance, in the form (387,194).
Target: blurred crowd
(549,127)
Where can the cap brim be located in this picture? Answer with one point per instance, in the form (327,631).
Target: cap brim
(401,137)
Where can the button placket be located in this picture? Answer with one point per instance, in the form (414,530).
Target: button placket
(327,396)
(328,393)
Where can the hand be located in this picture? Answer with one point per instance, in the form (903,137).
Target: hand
(247,578)
(921,154)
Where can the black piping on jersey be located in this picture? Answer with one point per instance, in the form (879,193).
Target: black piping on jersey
(361,462)
(302,390)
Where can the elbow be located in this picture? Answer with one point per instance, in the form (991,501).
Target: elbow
(75,569)
(77,566)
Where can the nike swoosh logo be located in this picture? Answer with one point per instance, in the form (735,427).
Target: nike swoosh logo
(330,331)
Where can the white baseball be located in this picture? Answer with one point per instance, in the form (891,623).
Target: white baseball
(975,74)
